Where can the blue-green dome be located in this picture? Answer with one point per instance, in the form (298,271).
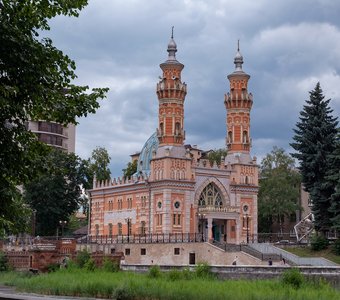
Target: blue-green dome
(145,155)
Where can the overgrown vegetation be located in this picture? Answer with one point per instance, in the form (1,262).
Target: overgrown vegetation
(318,242)
(3,262)
(293,277)
(126,285)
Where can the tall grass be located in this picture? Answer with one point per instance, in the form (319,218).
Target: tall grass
(125,285)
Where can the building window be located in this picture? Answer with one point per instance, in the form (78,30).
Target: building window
(110,230)
(97,229)
(142,228)
(176,251)
(176,219)
(120,204)
(110,205)
(310,202)
(143,201)
(143,251)
(129,203)
(113,250)
(120,229)
(210,196)
(127,251)
(159,220)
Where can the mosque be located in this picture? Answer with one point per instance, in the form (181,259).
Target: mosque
(176,189)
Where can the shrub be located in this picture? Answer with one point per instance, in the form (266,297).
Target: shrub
(174,275)
(90,265)
(203,270)
(336,247)
(154,272)
(82,258)
(293,277)
(110,266)
(3,262)
(53,267)
(318,242)
(187,274)
(122,293)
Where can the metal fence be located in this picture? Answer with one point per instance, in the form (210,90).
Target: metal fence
(144,238)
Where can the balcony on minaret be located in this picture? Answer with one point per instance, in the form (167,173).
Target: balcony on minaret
(238,99)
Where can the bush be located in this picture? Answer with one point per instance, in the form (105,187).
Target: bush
(90,265)
(3,262)
(175,274)
(336,247)
(318,242)
(53,267)
(293,277)
(110,266)
(154,272)
(123,293)
(203,270)
(187,274)
(82,258)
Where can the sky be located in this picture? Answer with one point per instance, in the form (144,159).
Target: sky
(287,46)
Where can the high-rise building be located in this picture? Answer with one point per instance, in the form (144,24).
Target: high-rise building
(55,134)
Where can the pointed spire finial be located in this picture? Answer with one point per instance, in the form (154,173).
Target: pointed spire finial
(238,45)
(172,32)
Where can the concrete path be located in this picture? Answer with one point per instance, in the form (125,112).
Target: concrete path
(7,292)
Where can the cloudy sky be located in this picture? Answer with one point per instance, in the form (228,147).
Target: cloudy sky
(287,45)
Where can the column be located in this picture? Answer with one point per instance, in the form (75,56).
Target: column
(210,235)
(238,229)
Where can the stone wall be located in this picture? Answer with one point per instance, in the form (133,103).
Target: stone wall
(177,254)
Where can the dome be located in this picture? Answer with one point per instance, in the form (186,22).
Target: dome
(145,155)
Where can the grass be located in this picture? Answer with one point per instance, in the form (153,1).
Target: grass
(125,285)
(307,252)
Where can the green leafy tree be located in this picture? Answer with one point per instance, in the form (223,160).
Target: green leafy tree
(216,155)
(131,169)
(279,189)
(35,83)
(314,141)
(55,193)
(98,164)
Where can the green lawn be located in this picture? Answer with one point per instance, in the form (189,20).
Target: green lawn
(307,252)
(125,285)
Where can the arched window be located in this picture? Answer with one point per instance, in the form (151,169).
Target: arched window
(177,128)
(97,229)
(245,137)
(120,229)
(230,137)
(161,128)
(210,196)
(110,229)
(142,228)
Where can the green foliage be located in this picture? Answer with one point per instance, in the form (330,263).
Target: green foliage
(336,247)
(82,258)
(3,262)
(203,270)
(36,83)
(293,277)
(55,192)
(154,272)
(90,265)
(187,274)
(53,267)
(279,188)
(314,142)
(318,242)
(123,292)
(131,169)
(174,274)
(109,265)
(98,165)
(216,155)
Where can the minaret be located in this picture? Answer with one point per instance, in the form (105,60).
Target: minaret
(171,95)
(238,103)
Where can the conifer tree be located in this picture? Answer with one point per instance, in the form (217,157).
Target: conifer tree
(333,180)
(314,141)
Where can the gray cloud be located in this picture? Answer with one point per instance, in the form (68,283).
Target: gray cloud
(287,46)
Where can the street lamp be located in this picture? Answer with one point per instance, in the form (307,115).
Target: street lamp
(128,221)
(247,220)
(62,225)
(201,218)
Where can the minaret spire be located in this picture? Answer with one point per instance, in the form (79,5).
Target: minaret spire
(172,32)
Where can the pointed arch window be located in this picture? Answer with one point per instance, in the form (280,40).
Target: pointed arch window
(210,196)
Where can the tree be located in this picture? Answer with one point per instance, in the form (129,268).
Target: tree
(35,83)
(314,141)
(55,193)
(279,189)
(216,155)
(333,180)
(98,164)
(131,169)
